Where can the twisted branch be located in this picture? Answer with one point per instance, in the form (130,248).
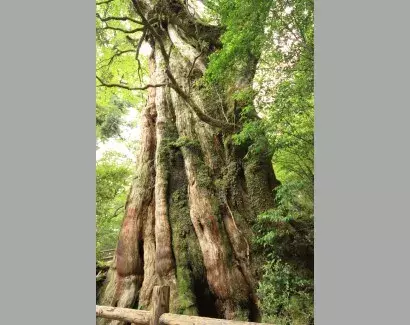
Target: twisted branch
(174,84)
(109,85)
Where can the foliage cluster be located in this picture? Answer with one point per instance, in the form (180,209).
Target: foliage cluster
(116,40)
(280,34)
(112,181)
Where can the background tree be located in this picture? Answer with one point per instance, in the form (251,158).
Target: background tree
(286,99)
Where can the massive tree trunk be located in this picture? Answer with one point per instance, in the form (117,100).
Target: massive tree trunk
(196,195)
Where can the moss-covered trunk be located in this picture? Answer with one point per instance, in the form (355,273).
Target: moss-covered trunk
(194,198)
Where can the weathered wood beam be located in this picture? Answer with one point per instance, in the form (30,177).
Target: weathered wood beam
(159,315)
(172,319)
(139,317)
(160,303)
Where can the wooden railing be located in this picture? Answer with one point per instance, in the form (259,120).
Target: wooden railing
(159,315)
(108,254)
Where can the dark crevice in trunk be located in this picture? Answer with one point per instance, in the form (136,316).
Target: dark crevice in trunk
(141,252)
(254,312)
(205,300)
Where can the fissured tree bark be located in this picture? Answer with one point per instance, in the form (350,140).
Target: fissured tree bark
(195,195)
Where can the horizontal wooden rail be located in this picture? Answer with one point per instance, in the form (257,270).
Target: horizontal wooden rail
(108,250)
(138,317)
(173,319)
(159,315)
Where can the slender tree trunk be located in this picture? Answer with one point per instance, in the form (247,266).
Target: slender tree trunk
(195,196)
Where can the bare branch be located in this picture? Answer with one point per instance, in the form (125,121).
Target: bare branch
(111,59)
(116,212)
(104,84)
(174,84)
(105,19)
(137,52)
(126,31)
(153,32)
(193,63)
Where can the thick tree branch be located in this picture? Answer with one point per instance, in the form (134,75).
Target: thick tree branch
(201,115)
(109,85)
(126,31)
(105,19)
(174,84)
(153,32)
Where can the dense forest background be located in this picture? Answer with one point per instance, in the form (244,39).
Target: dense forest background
(273,116)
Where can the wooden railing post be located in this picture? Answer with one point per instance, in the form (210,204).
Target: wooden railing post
(160,303)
